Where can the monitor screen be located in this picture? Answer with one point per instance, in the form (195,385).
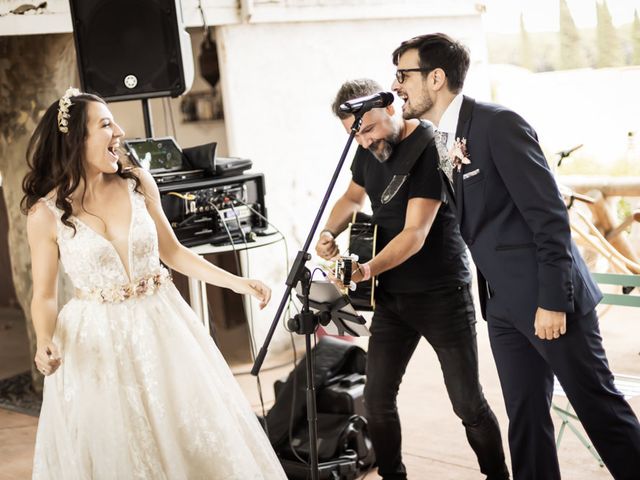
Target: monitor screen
(156,154)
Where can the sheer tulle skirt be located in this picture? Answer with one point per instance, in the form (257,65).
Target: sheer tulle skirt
(143,393)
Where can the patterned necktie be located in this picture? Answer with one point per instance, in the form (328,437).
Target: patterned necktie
(443,153)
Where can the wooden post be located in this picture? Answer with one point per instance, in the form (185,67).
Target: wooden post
(633,217)
(606,221)
(626,186)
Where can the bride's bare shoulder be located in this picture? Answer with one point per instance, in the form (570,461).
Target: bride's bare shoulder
(41,221)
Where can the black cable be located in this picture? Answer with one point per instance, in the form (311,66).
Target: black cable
(318,269)
(235,213)
(187,220)
(234,197)
(286,249)
(252,342)
(286,315)
(224,224)
(239,270)
(266,369)
(251,339)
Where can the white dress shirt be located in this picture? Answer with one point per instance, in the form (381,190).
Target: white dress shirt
(449,121)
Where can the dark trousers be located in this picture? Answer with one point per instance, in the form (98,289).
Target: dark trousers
(526,366)
(446,318)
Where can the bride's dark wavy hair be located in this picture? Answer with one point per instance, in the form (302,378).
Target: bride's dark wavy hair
(56,159)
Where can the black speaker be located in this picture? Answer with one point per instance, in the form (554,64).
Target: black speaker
(132,49)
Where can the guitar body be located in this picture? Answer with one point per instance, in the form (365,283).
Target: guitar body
(362,242)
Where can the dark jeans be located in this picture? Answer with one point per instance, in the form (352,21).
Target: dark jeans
(445,317)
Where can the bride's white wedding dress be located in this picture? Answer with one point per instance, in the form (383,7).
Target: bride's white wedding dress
(142,392)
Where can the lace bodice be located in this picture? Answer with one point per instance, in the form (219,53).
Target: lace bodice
(92,261)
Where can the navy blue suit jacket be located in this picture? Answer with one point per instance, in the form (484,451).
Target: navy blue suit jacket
(514,220)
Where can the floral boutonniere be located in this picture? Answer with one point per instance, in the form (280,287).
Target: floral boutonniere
(458,155)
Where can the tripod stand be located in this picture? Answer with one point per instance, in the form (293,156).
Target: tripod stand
(306,322)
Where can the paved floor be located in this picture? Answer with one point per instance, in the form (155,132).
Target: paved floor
(434,441)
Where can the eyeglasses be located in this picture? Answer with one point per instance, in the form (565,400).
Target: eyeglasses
(401,72)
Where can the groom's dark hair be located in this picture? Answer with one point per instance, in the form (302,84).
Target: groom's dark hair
(437,50)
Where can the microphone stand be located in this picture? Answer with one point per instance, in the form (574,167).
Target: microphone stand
(306,322)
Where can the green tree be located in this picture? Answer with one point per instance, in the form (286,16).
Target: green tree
(526,54)
(571,51)
(635,39)
(609,48)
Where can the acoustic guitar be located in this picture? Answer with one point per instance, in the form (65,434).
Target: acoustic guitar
(362,248)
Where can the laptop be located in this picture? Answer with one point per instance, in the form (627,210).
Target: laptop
(162,157)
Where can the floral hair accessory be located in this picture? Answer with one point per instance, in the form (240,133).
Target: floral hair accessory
(458,155)
(63,108)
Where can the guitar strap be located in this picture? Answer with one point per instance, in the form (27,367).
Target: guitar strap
(406,154)
(404,157)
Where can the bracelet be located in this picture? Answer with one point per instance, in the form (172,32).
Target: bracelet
(326,230)
(366,271)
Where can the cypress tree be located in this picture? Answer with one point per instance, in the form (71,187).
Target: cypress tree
(571,51)
(609,49)
(635,39)
(526,54)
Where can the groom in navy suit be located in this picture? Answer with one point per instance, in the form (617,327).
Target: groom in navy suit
(535,290)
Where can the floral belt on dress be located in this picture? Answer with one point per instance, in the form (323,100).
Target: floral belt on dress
(146,285)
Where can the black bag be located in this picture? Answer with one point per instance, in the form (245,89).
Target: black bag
(343,394)
(333,357)
(338,435)
(344,445)
(342,468)
(344,448)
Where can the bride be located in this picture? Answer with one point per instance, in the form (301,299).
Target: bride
(135,387)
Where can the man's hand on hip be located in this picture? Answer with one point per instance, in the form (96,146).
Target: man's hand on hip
(549,325)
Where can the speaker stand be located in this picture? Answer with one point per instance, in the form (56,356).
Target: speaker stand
(148,121)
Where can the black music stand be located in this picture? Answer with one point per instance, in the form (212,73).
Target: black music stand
(336,314)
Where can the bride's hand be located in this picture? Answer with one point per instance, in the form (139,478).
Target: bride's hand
(47,357)
(256,289)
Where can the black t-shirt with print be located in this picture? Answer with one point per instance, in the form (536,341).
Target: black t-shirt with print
(442,260)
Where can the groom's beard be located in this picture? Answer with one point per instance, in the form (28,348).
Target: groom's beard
(418,108)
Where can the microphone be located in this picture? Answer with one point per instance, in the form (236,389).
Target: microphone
(364,104)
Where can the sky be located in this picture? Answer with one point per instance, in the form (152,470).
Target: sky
(503,16)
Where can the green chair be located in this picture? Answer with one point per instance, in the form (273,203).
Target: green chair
(628,385)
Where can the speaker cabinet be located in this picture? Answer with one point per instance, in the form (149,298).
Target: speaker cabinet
(132,49)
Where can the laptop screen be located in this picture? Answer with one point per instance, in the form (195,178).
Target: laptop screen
(156,154)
